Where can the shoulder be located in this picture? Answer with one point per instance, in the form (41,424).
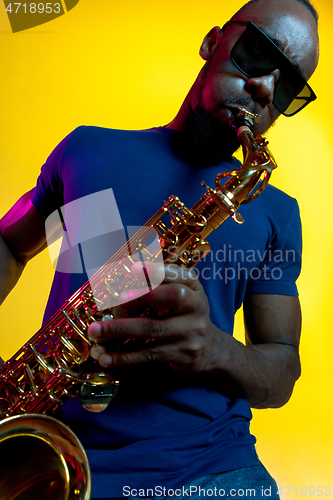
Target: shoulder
(277,205)
(91,140)
(281,207)
(93,133)
(276,195)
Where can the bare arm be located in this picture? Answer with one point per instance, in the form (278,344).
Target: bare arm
(264,371)
(273,328)
(22,236)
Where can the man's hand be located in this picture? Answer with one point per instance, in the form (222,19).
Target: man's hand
(179,332)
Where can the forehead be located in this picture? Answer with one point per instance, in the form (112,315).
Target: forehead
(291,26)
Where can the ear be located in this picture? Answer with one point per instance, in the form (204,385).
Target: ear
(209,42)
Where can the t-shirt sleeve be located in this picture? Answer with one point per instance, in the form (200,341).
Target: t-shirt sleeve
(47,195)
(281,264)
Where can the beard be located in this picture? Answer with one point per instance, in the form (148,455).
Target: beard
(211,140)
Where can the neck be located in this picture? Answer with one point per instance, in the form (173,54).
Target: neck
(185,113)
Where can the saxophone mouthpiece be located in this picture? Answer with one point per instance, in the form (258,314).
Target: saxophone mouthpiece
(244,121)
(244,118)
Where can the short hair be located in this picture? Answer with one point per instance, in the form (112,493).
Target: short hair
(306,4)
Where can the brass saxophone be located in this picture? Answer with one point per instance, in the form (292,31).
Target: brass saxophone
(50,366)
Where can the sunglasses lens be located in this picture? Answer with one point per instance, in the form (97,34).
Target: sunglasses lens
(291,94)
(253,55)
(291,107)
(256,55)
(286,92)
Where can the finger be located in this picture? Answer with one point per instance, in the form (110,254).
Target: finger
(141,328)
(175,297)
(123,329)
(159,354)
(96,351)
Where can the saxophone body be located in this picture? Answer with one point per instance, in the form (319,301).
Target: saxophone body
(51,366)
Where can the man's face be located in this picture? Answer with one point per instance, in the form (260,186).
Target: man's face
(222,88)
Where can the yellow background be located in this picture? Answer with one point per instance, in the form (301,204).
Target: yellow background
(129,64)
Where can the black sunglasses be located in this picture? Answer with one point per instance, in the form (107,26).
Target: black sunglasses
(255,55)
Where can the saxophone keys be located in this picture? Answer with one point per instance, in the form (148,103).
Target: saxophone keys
(112,292)
(42,361)
(169,238)
(199,250)
(89,315)
(75,327)
(126,268)
(196,223)
(113,278)
(78,317)
(31,380)
(74,350)
(236,216)
(107,317)
(99,303)
(98,391)
(4,405)
(209,189)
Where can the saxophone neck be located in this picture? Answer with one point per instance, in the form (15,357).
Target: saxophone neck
(249,181)
(243,123)
(254,148)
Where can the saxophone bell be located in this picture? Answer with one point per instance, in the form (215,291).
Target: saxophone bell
(41,457)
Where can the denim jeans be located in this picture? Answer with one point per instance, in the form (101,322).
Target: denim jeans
(241,484)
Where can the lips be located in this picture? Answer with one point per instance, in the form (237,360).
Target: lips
(235,109)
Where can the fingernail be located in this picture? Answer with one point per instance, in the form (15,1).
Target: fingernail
(105,360)
(94,331)
(96,351)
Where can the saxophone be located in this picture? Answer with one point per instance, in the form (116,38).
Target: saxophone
(50,366)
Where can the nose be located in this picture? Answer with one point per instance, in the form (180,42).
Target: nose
(262,88)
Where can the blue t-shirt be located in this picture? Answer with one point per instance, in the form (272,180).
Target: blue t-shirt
(167,428)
